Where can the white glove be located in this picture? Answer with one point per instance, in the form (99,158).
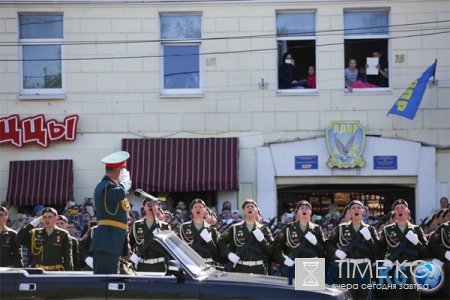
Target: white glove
(258,234)
(311,238)
(126,184)
(206,235)
(412,237)
(366,233)
(89,261)
(233,257)
(341,254)
(135,259)
(288,262)
(447,255)
(124,175)
(156,231)
(437,262)
(36,221)
(388,263)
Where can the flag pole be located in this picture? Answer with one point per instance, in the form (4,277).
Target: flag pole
(434,74)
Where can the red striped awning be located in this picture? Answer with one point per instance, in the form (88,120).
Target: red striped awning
(184,164)
(46,182)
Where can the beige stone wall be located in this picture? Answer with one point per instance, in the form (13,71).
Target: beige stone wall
(121,97)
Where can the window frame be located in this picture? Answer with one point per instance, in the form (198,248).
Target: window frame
(300,37)
(181,92)
(43,93)
(384,37)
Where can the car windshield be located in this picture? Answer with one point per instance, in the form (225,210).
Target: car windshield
(186,255)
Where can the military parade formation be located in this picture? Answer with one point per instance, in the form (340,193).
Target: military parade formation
(247,246)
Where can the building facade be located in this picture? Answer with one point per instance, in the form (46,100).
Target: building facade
(129,71)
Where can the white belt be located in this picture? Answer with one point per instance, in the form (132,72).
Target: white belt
(152,261)
(251,263)
(358,260)
(208,259)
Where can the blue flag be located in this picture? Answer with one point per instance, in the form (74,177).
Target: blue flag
(408,103)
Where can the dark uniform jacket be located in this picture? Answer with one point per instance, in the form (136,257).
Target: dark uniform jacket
(10,252)
(85,244)
(83,248)
(286,74)
(141,243)
(289,238)
(75,254)
(391,237)
(111,207)
(190,234)
(236,236)
(48,250)
(344,233)
(439,243)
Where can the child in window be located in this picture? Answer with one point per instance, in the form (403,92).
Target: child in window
(350,74)
(311,79)
(361,80)
(362,75)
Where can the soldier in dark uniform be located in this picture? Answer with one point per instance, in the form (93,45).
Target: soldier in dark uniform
(86,257)
(198,234)
(299,239)
(148,255)
(248,232)
(110,240)
(83,247)
(354,242)
(439,247)
(63,223)
(50,246)
(10,252)
(392,238)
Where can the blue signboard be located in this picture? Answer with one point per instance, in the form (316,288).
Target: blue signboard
(388,162)
(306,162)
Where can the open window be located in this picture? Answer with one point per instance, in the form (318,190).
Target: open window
(296,35)
(367,32)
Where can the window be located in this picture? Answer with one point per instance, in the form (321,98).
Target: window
(41,68)
(180,35)
(367,32)
(296,42)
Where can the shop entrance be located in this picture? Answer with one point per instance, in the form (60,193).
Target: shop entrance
(378,198)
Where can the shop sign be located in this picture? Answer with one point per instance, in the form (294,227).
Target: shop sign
(37,130)
(345,143)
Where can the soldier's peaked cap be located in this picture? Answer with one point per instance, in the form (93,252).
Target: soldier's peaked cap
(4,209)
(248,201)
(197,200)
(303,202)
(355,202)
(151,200)
(116,159)
(398,202)
(49,210)
(63,218)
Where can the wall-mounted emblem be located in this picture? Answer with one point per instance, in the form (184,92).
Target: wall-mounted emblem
(345,143)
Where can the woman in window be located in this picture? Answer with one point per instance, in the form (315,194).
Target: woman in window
(286,73)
